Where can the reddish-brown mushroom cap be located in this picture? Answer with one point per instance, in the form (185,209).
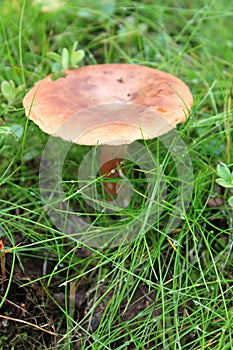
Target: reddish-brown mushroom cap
(102,103)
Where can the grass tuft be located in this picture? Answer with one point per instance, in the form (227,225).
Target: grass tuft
(167,287)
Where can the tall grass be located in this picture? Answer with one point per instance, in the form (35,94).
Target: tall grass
(163,290)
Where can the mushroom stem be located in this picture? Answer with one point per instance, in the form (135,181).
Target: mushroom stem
(111,167)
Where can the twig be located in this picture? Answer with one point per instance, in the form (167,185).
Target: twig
(29,324)
(2,258)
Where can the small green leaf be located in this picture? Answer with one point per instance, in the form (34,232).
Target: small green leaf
(56,67)
(54,56)
(5,130)
(19,89)
(224,183)
(17,130)
(65,58)
(230,201)
(74,48)
(224,172)
(8,90)
(76,57)
(30,155)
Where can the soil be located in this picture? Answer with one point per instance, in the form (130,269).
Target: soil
(31,315)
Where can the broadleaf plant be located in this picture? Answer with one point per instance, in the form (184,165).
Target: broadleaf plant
(10,91)
(67,59)
(225,179)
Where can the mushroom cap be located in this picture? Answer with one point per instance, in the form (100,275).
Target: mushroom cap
(108,104)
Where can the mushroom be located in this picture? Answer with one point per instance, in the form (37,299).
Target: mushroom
(110,105)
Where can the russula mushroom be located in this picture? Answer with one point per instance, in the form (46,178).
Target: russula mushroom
(109,105)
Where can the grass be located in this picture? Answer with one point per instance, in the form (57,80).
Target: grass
(166,289)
